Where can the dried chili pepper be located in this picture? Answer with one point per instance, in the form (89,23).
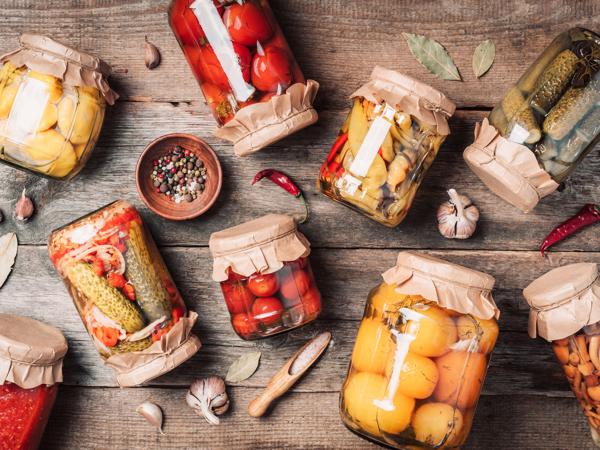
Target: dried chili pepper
(285,182)
(588,215)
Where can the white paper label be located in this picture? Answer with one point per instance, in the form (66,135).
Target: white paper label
(372,142)
(28,109)
(518,134)
(218,38)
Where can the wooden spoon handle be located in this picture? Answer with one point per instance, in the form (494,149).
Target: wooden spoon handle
(258,407)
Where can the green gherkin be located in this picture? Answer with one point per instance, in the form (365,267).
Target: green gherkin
(554,80)
(149,291)
(136,346)
(108,299)
(518,112)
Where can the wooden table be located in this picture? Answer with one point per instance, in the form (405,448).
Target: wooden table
(526,403)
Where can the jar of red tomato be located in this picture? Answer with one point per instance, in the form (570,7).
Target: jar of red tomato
(31,357)
(265,276)
(246,70)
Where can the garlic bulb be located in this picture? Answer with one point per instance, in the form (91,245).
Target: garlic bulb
(208,397)
(23,208)
(152,413)
(457,217)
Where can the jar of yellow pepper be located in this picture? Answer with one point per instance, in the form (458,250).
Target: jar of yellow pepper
(52,104)
(421,354)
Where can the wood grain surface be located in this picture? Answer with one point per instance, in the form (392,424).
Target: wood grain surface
(526,403)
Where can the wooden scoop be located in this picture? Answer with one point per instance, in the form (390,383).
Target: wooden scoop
(287,376)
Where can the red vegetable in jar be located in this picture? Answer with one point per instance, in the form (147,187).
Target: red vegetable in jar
(33,353)
(239,48)
(265,276)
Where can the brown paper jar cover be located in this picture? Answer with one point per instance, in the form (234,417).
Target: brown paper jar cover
(563,301)
(459,288)
(508,169)
(259,246)
(409,95)
(45,55)
(31,352)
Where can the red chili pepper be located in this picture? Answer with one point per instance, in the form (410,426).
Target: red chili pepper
(282,180)
(337,146)
(588,215)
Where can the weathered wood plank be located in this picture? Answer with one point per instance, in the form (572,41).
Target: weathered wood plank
(110,175)
(336,42)
(345,277)
(93,418)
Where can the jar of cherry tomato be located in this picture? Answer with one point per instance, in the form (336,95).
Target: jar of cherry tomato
(421,355)
(565,310)
(31,358)
(124,293)
(265,276)
(246,70)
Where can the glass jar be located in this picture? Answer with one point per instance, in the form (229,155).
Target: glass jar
(240,57)
(386,145)
(421,355)
(52,105)
(33,353)
(266,278)
(550,118)
(124,293)
(565,310)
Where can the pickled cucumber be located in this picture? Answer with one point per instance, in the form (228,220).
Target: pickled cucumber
(136,346)
(49,117)
(64,164)
(108,299)
(55,88)
(570,109)
(149,291)
(518,112)
(49,152)
(7,98)
(553,81)
(76,119)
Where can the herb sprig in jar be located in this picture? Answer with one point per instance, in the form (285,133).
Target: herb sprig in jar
(180,175)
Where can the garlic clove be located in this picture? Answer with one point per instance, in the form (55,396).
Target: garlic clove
(208,398)
(457,217)
(151,55)
(23,208)
(152,413)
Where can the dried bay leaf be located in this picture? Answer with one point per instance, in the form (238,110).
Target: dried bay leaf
(433,56)
(243,368)
(8,252)
(483,57)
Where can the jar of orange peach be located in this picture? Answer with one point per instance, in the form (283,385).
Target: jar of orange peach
(421,354)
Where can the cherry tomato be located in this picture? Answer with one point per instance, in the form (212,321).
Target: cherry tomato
(279,41)
(271,70)
(238,297)
(185,23)
(206,62)
(295,285)
(216,99)
(108,336)
(263,285)
(311,302)
(267,310)
(244,325)
(247,23)
(116,280)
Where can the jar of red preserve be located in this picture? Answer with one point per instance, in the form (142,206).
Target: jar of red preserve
(265,276)
(246,70)
(31,357)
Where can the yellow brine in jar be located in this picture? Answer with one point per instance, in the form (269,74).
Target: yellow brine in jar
(390,139)
(419,361)
(52,105)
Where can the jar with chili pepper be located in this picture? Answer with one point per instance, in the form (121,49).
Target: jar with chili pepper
(545,125)
(266,278)
(386,145)
(31,355)
(124,293)
(246,70)
(565,310)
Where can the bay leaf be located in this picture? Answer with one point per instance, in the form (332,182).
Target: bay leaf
(483,57)
(8,252)
(243,368)
(431,54)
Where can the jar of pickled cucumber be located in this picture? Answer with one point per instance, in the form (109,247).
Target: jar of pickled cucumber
(421,354)
(124,293)
(247,72)
(565,310)
(265,275)
(386,145)
(31,360)
(545,125)
(52,104)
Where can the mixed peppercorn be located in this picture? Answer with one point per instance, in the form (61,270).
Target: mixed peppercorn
(180,175)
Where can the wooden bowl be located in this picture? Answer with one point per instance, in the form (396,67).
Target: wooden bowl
(160,203)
